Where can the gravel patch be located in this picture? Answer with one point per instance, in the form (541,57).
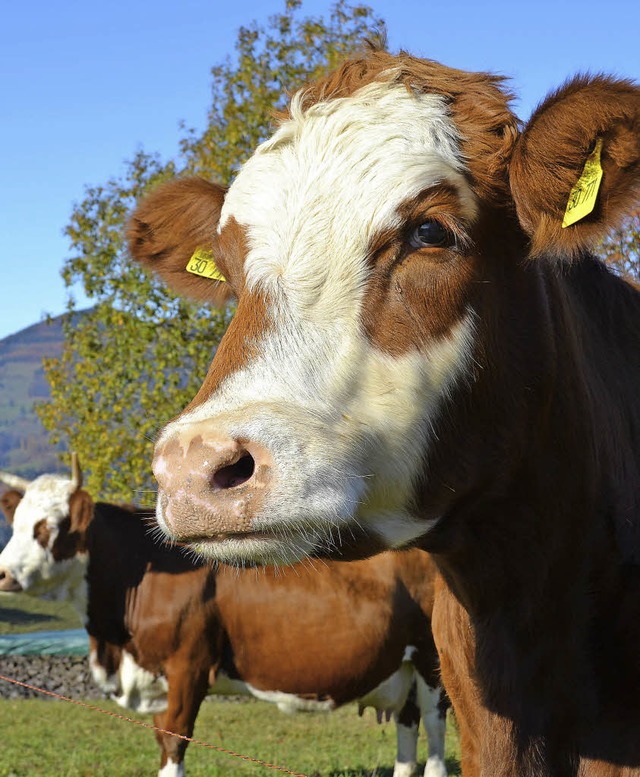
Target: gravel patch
(66,675)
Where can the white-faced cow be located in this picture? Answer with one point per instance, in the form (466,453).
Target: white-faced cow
(165,629)
(424,350)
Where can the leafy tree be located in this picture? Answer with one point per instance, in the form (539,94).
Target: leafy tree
(270,65)
(621,249)
(139,355)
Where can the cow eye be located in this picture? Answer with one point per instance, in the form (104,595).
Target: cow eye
(431,234)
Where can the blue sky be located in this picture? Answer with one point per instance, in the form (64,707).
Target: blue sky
(83,85)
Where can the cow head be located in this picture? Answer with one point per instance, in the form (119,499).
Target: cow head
(46,554)
(366,242)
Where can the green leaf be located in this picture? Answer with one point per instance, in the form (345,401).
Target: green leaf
(140,354)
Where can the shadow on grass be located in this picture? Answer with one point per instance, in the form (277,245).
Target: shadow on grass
(453,770)
(383,771)
(14,617)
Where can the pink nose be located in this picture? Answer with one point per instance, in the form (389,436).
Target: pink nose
(8,582)
(211,485)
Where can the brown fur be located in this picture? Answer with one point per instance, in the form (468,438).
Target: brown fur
(250,324)
(42,533)
(165,230)
(533,473)
(408,300)
(550,155)
(180,618)
(478,104)
(9,500)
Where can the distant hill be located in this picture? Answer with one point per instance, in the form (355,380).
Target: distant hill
(24,444)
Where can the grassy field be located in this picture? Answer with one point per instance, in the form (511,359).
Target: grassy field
(58,739)
(22,613)
(44,738)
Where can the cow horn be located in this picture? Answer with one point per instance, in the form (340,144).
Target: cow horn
(76,472)
(13,481)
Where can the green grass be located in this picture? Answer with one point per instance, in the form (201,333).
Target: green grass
(20,613)
(57,739)
(43,738)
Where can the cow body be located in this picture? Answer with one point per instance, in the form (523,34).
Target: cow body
(165,630)
(425,351)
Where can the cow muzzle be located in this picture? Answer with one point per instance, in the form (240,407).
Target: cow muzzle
(8,583)
(211,485)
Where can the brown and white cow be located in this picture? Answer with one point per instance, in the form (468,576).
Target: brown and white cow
(423,353)
(165,629)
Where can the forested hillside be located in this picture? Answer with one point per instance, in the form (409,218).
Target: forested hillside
(24,445)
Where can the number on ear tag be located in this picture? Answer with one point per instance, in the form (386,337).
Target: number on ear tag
(201,263)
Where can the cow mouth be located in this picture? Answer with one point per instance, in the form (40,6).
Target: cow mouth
(280,547)
(252,548)
(222,536)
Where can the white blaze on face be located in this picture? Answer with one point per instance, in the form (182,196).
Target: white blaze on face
(345,422)
(45,503)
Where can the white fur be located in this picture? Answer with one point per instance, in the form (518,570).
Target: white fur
(139,689)
(131,686)
(290,703)
(171,769)
(435,726)
(346,423)
(46,498)
(329,434)
(391,695)
(108,683)
(407,750)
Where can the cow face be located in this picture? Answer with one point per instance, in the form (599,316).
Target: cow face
(45,555)
(358,240)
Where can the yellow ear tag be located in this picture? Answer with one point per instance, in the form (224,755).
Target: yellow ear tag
(201,263)
(583,196)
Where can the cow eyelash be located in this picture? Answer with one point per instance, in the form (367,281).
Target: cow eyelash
(431,233)
(453,234)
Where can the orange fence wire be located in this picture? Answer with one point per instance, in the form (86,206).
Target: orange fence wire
(94,708)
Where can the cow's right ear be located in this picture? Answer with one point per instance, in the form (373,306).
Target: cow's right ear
(174,224)
(8,503)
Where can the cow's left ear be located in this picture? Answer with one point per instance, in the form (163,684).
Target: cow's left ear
(8,503)
(589,125)
(80,511)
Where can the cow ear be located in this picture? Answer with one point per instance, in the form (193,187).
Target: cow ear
(80,511)
(8,503)
(175,226)
(590,124)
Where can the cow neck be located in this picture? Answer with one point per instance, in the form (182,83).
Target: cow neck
(116,545)
(122,553)
(505,543)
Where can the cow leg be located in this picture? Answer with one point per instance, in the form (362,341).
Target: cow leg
(407,725)
(184,698)
(170,765)
(434,717)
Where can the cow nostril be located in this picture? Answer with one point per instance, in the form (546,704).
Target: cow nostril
(235,474)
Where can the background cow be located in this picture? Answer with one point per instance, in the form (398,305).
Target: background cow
(165,629)
(425,351)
